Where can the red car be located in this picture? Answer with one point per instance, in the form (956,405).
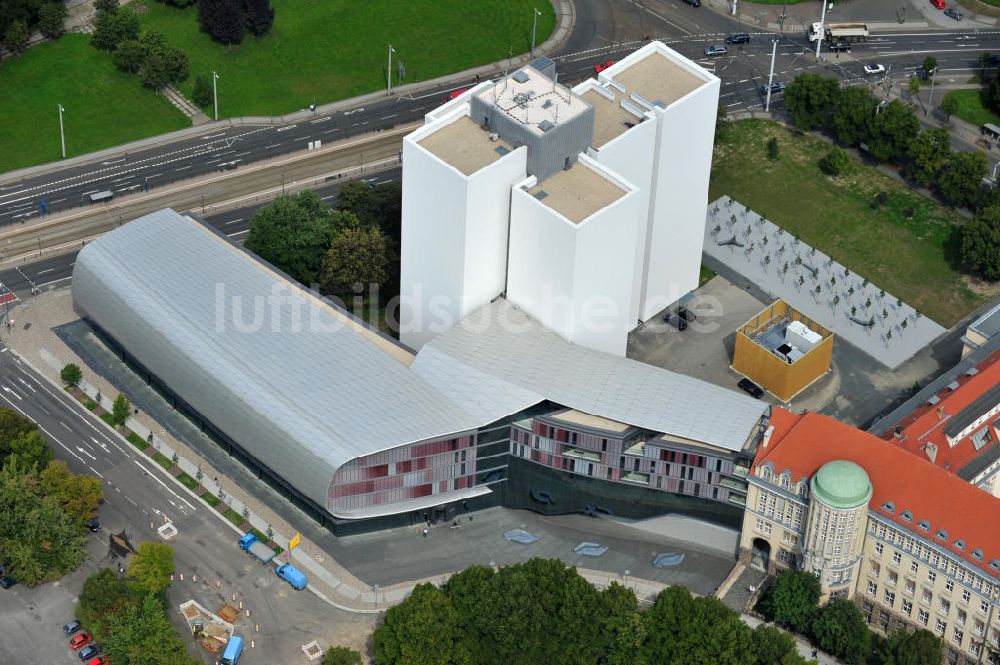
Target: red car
(80,640)
(100,660)
(457,93)
(938,4)
(600,67)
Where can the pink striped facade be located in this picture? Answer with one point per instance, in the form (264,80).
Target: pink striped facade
(659,463)
(408,472)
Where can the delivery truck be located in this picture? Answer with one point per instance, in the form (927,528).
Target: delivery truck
(251,543)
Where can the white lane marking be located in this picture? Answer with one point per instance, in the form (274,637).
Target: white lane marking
(153,476)
(26,384)
(96,472)
(285,129)
(42,272)
(389,116)
(86,453)
(13,392)
(331,131)
(183,167)
(272,146)
(213,136)
(131,501)
(301,138)
(238,233)
(313,122)
(233,222)
(115,161)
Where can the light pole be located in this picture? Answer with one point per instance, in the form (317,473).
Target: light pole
(822,29)
(770,77)
(215,93)
(388,72)
(930,98)
(534,28)
(62,134)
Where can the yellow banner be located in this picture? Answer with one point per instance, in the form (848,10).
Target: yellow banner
(293,543)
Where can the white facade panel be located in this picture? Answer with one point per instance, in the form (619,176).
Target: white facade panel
(685,137)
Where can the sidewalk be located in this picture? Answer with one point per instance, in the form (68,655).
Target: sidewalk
(42,349)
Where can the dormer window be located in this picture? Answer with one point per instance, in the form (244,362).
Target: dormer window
(924,525)
(977,554)
(960,545)
(906,515)
(889,507)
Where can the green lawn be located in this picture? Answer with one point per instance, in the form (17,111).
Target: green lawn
(904,247)
(971,109)
(103,106)
(333,49)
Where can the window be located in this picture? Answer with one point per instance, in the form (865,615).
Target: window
(893,577)
(996,638)
(984,606)
(976,649)
(788,537)
(960,617)
(907,608)
(872,588)
(966,595)
(914,568)
(890,598)
(910,586)
(931,576)
(940,627)
(957,636)
(944,607)
(878,548)
(763,526)
(949,585)
(896,557)
(979,627)
(925,598)
(875,569)
(924,617)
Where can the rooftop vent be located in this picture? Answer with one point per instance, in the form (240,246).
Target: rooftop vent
(972,371)
(889,507)
(541,194)
(520,76)
(953,385)
(924,525)
(933,399)
(546,125)
(547,104)
(521,99)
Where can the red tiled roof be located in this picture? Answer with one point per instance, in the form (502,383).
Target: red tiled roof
(927,423)
(803,443)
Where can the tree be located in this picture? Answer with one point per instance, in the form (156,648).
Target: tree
(841,630)
(260,16)
(949,105)
(130,55)
(772,148)
(852,114)
(914,86)
(980,243)
(341,656)
(893,130)
(792,601)
(772,646)
(12,426)
(111,29)
(683,629)
(202,94)
(223,20)
(930,64)
(961,177)
(836,162)
(52,19)
(164,65)
(106,6)
(355,256)
(920,647)
(141,634)
(380,206)
(121,409)
(79,494)
(104,595)
(152,567)
(293,233)
(71,374)
(810,99)
(16,36)
(31,449)
(421,631)
(928,153)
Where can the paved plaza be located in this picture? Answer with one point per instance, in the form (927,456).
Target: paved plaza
(885,328)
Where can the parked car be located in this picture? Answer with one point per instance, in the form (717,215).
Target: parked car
(775,87)
(100,660)
(7,582)
(93,524)
(88,652)
(686,314)
(80,640)
(675,321)
(601,66)
(693,3)
(872,70)
(738,38)
(751,388)
(951,12)
(938,4)
(716,49)
(455,94)
(71,627)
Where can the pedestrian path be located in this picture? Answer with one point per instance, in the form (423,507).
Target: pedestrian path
(185,105)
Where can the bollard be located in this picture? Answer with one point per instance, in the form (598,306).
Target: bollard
(218,584)
(248,612)
(241,604)
(257,627)
(182,577)
(171,577)
(234,597)
(194,578)
(252,645)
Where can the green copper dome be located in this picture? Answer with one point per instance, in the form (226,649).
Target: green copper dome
(841,484)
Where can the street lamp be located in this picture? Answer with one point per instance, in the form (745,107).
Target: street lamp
(215,93)
(62,134)
(770,77)
(534,28)
(822,27)
(388,72)
(930,97)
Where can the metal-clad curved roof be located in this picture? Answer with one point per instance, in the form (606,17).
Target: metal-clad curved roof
(303,393)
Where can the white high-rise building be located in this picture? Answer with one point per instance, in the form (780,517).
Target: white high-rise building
(584,207)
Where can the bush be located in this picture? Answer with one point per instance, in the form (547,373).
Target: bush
(341,656)
(111,29)
(836,162)
(202,91)
(223,20)
(772,148)
(16,37)
(51,19)
(71,374)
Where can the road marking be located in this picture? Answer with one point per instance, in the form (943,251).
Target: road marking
(86,453)
(313,122)
(331,131)
(272,146)
(285,129)
(183,167)
(389,116)
(243,153)
(132,502)
(128,177)
(213,160)
(13,393)
(153,476)
(42,272)
(234,221)
(96,472)
(300,138)
(238,233)
(26,385)
(213,136)
(116,161)
(56,201)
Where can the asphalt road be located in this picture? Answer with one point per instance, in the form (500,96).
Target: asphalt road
(603,30)
(138,493)
(55,271)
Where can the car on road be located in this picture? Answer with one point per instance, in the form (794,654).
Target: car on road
(71,627)
(776,87)
(601,66)
(81,640)
(840,45)
(93,524)
(738,38)
(938,4)
(876,69)
(951,12)
(693,3)
(88,652)
(716,49)
(751,388)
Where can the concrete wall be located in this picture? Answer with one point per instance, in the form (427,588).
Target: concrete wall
(685,136)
